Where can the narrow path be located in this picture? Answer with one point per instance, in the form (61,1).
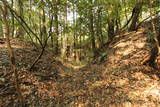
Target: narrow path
(120,81)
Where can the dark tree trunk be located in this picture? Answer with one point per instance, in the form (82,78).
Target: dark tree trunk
(91,28)
(99,26)
(111,31)
(44,31)
(136,12)
(12,5)
(56,49)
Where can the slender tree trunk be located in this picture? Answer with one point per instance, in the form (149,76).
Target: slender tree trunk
(40,26)
(44,31)
(51,14)
(1,27)
(74,33)
(30,8)
(117,20)
(80,38)
(152,21)
(56,50)
(12,5)
(11,53)
(91,28)
(43,24)
(20,32)
(99,27)
(111,28)
(125,9)
(65,38)
(136,12)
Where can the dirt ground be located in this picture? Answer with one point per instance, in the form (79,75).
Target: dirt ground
(120,81)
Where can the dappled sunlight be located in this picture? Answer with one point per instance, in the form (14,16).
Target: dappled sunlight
(150,92)
(136,81)
(129,48)
(13,46)
(114,78)
(126,52)
(116,83)
(16,44)
(75,67)
(121,45)
(139,75)
(140,45)
(99,84)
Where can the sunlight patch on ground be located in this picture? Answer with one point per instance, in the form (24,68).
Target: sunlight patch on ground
(124,52)
(121,44)
(75,67)
(13,46)
(153,91)
(139,45)
(100,84)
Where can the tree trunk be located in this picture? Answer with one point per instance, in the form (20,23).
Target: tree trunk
(99,26)
(111,28)
(40,26)
(11,53)
(12,5)
(56,49)
(74,33)
(65,32)
(44,31)
(136,12)
(1,27)
(125,11)
(52,45)
(91,28)
(20,32)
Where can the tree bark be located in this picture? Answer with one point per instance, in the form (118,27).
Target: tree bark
(12,5)
(20,32)
(56,49)
(136,12)
(11,53)
(1,27)
(99,26)
(111,31)
(91,27)
(44,31)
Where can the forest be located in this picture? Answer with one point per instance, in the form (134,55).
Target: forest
(79,53)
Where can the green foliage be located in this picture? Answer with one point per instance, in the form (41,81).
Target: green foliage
(74,19)
(103,57)
(150,37)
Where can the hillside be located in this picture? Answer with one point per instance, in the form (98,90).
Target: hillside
(79,53)
(120,81)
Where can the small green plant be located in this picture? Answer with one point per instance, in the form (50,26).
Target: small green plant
(103,57)
(150,37)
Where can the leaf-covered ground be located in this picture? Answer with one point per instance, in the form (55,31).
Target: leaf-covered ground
(120,81)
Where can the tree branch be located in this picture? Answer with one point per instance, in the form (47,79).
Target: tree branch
(13,12)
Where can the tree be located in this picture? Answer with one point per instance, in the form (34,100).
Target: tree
(91,26)
(56,26)
(1,27)
(136,12)
(20,32)
(10,50)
